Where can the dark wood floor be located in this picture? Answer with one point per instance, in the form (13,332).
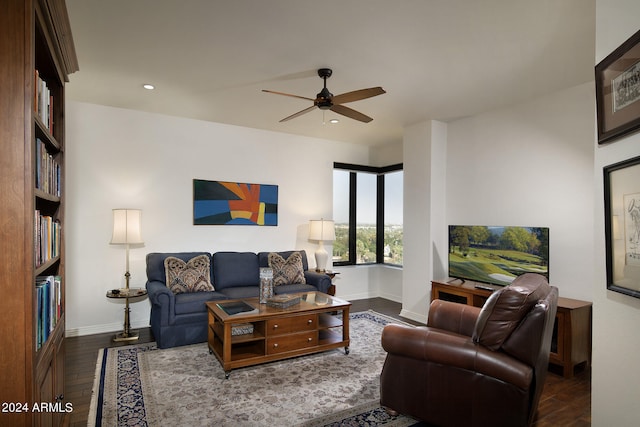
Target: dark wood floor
(564,402)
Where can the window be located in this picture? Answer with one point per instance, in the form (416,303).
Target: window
(367,210)
(341,215)
(393,203)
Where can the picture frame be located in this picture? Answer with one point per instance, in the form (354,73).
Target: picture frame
(622,226)
(618,91)
(234,203)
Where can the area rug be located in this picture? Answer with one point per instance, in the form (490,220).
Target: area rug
(141,385)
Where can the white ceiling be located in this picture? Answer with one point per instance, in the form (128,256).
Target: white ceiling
(437,59)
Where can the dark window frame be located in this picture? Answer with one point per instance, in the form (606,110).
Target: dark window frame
(380,172)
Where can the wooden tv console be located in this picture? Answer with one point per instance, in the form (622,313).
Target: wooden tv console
(307,327)
(571,342)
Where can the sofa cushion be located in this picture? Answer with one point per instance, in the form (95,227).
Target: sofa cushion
(238,292)
(286,271)
(232,269)
(505,308)
(155,263)
(188,276)
(298,287)
(194,302)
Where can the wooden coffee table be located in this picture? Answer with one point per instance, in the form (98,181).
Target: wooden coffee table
(270,334)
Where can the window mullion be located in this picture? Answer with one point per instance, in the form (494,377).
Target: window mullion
(380,219)
(353,185)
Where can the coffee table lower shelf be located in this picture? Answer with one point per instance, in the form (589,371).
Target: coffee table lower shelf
(276,334)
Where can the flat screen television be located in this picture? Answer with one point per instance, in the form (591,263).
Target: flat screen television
(497,255)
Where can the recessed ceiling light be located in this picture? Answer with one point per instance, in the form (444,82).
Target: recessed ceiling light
(148,86)
(334,121)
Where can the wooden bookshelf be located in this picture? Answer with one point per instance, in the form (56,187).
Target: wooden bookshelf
(36,52)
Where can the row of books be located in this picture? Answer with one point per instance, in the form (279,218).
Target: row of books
(48,171)
(49,299)
(43,104)
(47,238)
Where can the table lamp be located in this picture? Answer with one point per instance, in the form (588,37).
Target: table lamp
(321,230)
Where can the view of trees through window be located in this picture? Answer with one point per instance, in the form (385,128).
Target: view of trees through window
(362,195)
(393,202)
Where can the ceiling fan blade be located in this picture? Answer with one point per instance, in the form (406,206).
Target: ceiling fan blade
(351,113)
(288,94)
(357,95)
(299,113)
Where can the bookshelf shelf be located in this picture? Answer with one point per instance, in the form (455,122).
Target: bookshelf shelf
(36,57)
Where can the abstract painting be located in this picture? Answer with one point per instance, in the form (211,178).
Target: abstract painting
(222,202)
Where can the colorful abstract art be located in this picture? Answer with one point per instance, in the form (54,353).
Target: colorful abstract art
(221,202)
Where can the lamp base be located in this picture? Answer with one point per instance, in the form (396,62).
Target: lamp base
(131,336)
(321,258)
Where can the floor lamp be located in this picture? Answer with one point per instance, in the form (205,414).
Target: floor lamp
(126,231)
(321,230)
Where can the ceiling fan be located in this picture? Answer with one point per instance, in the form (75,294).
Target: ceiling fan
(325,100)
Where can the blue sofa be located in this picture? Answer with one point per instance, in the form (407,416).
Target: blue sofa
(181,319)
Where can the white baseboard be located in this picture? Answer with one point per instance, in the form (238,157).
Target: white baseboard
(417,317)
(102,329)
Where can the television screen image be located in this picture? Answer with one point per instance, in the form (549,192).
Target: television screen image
(497,255)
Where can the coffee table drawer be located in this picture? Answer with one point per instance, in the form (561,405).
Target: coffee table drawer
(292,342)
(287,325)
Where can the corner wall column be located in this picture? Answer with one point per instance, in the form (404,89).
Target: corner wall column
(425,248)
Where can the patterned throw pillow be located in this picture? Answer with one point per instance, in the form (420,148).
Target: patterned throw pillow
(190,276)
(286,272)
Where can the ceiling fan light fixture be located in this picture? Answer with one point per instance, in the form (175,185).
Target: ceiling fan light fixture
(334,121)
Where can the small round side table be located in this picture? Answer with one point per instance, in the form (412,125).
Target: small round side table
(127,293)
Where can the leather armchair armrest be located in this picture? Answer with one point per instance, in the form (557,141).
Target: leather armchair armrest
(454,351)
(453,317)
(319,280)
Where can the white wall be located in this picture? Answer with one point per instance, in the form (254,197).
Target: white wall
(616,342)
(121,158)
(531,165)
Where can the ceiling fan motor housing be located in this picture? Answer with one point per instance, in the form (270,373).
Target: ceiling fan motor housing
(323,99)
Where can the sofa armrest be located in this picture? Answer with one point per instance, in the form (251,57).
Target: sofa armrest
(319,280)
(456,351)
(162,299)
(453,317)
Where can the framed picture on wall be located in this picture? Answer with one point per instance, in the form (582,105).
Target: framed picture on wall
(618,91)
(234,203)
(622,226)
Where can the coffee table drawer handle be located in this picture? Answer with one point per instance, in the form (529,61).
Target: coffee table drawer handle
(309,339)
(275,326)
(310,321)
(275,345)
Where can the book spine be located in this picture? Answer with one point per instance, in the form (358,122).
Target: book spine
(43,102)
(49,307)
(47,238)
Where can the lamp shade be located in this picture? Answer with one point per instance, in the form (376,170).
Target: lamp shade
(322,230)
(126,227)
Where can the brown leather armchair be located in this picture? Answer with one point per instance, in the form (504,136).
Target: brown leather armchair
(472,366)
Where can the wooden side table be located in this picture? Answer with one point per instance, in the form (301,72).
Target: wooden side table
(127,293)
(332,287)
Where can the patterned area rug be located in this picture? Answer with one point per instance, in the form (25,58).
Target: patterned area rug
(140,385)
